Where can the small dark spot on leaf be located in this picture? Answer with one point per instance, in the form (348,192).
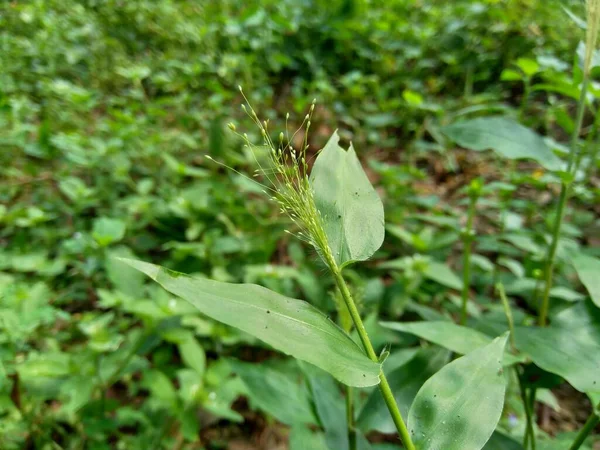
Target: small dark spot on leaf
(268,312)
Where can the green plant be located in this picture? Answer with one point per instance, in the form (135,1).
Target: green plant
(339,213)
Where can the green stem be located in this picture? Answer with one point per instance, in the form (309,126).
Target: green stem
(508,313)
(589,426)
(468,243)
(562,200)
(525,99)
(350,418)
(384,386)
(529,431)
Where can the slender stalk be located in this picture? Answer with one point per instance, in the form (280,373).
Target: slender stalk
(529,431)
(525,99)
(562,200)
(468,244)
(384,386)
(508,313)
(350,418)
(589,426)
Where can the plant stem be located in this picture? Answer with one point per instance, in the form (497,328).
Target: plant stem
(384,386)
(468,243)
(589,426)
(525,99)
(560,210)
(529,431)
(508,313)
(350,418)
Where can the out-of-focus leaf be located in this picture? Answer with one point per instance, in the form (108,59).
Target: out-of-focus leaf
(107,231)
(277,393)
(192,354)
(441,273)
(588,270)
(330,406)
(301,438)
(506,137)
(569,347)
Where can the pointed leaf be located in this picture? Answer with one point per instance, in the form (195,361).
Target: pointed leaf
(330,406)
(588,270)
(458,408)
(446,334)
(192,354)
(276,392)
(291,326)
(351,209)
(506,137)
(570,347)
(441,273)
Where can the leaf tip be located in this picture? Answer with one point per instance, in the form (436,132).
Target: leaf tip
(149,269)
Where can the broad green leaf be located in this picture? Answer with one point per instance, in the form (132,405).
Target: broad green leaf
(458,408)
(277,393)
(506,137)
(351,209)
(288,325)
(588,270)
(405,382)
(569,347)
(449,335)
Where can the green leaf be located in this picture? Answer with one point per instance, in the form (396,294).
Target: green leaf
(505,136)
(301,438)
(446,334)
(510,75)
(405,382)
(288,325)
(123,277)
(276,392)
(458,408)
(351,209)
(330,406)
(588,271)
(106,231)
(570,347)
(499,441)
(441,273)
(160,387)
(192,354)
(528,66)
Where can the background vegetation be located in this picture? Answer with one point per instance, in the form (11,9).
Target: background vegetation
(107,111)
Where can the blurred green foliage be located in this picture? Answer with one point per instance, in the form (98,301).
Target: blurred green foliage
(107,108)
